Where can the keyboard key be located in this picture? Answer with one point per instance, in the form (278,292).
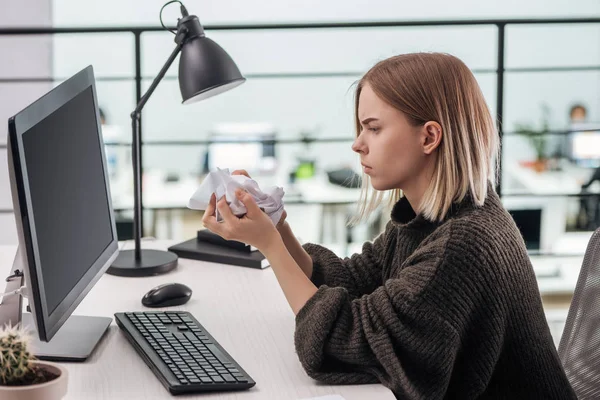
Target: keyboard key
(218,379)
(228,378)
(206,380)
(217,353)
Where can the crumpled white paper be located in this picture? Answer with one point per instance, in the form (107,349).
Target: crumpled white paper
(222,183)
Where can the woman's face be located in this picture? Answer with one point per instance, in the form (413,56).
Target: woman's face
(390,148)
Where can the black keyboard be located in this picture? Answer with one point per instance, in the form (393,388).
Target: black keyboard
(181,353)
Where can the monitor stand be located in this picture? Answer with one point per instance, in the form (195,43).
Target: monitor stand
(74,341)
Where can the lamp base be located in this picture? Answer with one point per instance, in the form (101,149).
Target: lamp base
(152,262)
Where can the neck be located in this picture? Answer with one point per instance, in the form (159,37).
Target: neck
(414,196)
(415,189)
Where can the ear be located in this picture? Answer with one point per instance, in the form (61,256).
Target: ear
(431,136)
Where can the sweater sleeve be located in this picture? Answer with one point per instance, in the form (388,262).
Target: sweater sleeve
(397,335)
(359,274)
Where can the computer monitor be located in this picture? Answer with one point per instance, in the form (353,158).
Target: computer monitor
(65,222)
(584,141)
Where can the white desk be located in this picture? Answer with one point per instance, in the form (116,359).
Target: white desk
(243,308)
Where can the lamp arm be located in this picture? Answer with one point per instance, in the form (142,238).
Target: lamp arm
(136,152)
(156,81)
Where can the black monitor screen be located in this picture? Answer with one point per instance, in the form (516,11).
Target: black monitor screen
(68,195)
(529,223)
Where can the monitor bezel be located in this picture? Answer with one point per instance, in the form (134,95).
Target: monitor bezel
(47,324)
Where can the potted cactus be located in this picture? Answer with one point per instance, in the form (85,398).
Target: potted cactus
(22,377)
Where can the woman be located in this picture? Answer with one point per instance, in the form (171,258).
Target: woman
(444,303)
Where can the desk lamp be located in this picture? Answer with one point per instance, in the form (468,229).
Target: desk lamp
(205,70)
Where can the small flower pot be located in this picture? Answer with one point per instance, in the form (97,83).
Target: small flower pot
(55,389)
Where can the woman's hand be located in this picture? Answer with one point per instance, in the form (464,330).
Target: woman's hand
(254,228)
(245,173)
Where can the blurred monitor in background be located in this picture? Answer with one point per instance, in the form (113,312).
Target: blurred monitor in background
(246,146)
(583,138)
(584,143)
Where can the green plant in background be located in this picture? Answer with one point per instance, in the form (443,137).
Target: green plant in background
(16,362)
(537,138)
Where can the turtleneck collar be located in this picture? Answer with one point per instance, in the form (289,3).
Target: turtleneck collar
(404,216)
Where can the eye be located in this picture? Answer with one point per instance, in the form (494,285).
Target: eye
(374,130)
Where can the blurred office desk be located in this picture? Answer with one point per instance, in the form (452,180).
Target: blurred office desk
(557,273)
(548,191)
(166,200)
(243,308)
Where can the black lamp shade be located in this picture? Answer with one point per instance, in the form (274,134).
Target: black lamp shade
(205,70)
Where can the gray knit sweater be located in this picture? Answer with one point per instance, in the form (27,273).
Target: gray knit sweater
(446,310)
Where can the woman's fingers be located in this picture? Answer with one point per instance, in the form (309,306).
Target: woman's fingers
(225,211)
(248,201)
(210,210)
(209,219)
(240,172)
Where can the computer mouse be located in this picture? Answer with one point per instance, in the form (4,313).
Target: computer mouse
(167,295)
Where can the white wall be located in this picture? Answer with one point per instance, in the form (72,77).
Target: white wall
(145,12)
(22,57)
(323,105)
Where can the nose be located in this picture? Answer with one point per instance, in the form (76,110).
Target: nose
(358,146)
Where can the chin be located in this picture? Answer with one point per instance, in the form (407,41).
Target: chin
(380,186)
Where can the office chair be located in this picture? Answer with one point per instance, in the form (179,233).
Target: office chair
(579,348)
(589,207)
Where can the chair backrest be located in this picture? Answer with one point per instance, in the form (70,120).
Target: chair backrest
(579,348)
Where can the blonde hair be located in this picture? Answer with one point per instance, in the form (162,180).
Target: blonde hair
(437,87)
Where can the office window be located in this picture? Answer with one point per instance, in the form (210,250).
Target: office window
(526,92)
(555,45)
(117,101)
(331,50)
(321,106)
(14,96)
(111,54)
